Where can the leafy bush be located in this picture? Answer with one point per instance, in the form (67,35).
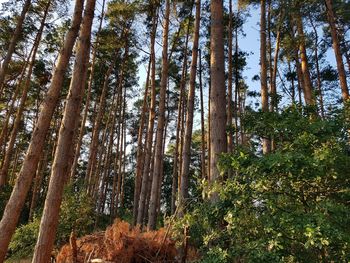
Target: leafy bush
(291,205)
(76,212)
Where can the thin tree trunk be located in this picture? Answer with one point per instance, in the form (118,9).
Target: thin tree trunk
(19,114)
(60,167)
(140,148)
(151,117)
(186,154)
(96,131)
(236,84)
(229,88)
(263,71)
(308,94)
(179,125)
(202,116)
(161,123)
(88,95)
(13,43)
(218,139)
(337,51)
(19,193)
(319,82)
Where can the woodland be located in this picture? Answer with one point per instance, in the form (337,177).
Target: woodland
(148,131)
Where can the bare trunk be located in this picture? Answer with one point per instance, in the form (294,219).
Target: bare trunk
(308,93)
(229,88)
(202,116)
(60,167)
(149,137)
(263,71)
(186,154)
(13,43)
(90,171)
(14,206)
(178,126)
(88,96)
(319,82)
(218,139)
(152,216)
(337,51)
(140,148)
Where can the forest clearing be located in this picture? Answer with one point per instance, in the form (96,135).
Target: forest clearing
(210,131)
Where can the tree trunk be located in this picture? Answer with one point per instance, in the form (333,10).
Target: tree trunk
(229,88)
(19,193)
(202,116)
(60,167)
(88,96)
(337,51)
(319,82)
(308,93)
(151,117)
(218,139)
(13,43)
(96,131)
(263,71)
(160,125)
(179,125)
(140,149)
(186,154)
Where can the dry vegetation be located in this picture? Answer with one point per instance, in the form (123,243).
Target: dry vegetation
(119,243)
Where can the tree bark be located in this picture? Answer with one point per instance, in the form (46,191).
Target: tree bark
(88,96)
(140,149)
(218,139)
(179,122)
(202,116)
(337,51)
(152,215)
(186,154)
(151,117)
(263,71)
(14,206)
(308,93)
(60,167)
(229,88)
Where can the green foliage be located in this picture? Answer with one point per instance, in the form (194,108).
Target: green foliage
(76,212)
(291,205)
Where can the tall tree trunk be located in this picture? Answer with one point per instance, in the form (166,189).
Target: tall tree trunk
(308,93)
(150,127)
(19,114)
(179,125)
(186,154)
(96,131)
(140,148)
(263,71)
(160,125)
(229,88)
(218,139)
(319,82)
(13,43)
(88,95)
(60,167)
(236,111)
(202,116)
(14,206)
(337,51)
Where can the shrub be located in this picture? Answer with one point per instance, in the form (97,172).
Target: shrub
(291,205)
(76,212)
